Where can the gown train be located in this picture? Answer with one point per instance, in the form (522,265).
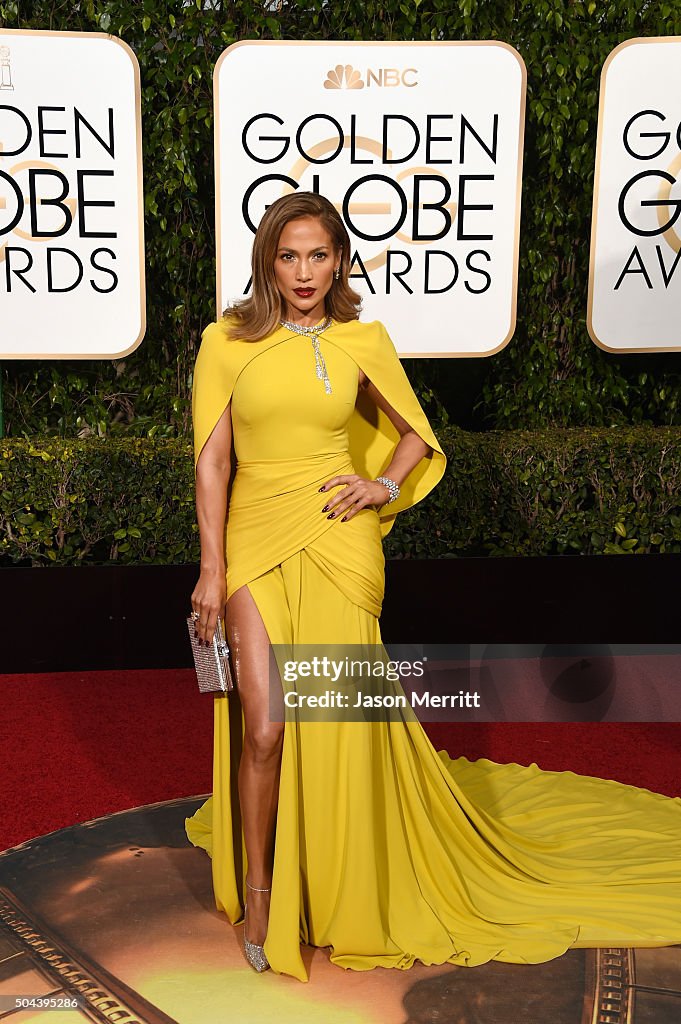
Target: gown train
(386,850)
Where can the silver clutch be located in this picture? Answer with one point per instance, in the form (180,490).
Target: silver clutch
(213,668)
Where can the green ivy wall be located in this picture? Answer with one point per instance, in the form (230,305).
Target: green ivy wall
(550,374)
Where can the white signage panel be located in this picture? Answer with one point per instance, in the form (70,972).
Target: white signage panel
(71,202)
(634,302)
(419,147)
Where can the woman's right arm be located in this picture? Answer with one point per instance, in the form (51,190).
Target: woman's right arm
(213,471)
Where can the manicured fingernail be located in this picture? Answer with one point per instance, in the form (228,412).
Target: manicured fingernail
(343,519)
(331,515)
(325,509)
(322,487)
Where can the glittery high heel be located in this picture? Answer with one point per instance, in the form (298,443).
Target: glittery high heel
(254,954)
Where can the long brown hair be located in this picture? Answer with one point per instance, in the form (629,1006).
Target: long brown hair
(258,314)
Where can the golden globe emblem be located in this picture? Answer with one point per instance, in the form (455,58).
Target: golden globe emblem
(5,69)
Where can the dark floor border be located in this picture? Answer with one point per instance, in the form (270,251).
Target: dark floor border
(101,617)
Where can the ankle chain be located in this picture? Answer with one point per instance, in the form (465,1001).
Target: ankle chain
(255,888)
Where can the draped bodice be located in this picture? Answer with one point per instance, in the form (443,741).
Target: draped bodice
(290,437)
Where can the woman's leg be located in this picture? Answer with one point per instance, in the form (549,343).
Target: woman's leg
(260,763)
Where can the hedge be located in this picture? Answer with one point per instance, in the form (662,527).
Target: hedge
(570,490)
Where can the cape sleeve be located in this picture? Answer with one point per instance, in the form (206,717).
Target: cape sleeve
(215,371)
(372,435)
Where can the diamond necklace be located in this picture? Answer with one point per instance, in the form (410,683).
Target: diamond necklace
(314,332)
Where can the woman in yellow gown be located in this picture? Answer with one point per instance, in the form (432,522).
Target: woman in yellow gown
(368,840)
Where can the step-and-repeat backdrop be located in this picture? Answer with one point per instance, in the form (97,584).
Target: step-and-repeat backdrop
(418,145)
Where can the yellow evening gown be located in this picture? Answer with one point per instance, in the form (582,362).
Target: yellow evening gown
(388,851)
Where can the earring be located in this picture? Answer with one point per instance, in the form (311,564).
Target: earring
(337,275)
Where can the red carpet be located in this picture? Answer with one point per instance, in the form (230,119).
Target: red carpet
(79,745)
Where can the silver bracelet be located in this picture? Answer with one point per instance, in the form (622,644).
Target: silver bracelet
(392,487)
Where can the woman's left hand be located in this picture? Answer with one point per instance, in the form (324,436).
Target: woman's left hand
(359,493)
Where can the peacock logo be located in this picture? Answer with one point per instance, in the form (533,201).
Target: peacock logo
(343,77)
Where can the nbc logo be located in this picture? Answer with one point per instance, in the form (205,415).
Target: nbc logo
(342,77)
